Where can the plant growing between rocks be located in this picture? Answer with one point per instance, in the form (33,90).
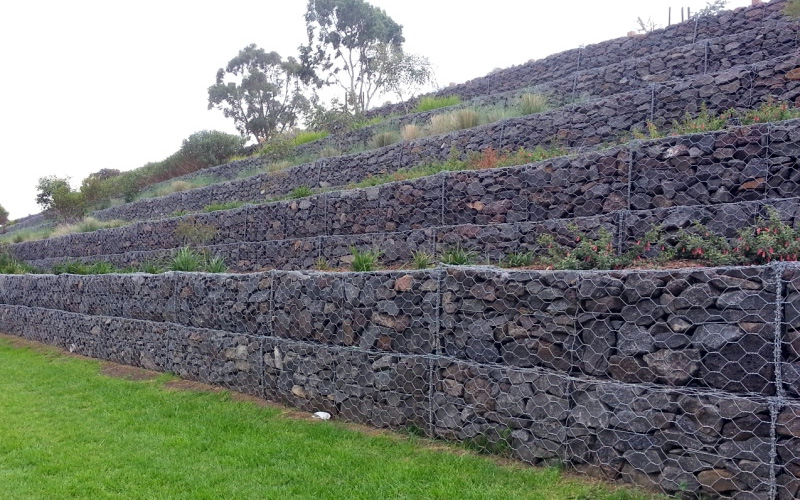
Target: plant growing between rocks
(458,256)
(365,260)
(422,260)
(301,192)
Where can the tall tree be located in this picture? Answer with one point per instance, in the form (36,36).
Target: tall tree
(407,74)
(260,91)
(3,216)
(348,45)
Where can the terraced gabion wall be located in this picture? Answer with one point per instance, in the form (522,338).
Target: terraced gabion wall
(579,125)
(679,379)
(579,60)
(726,179)
(767,41)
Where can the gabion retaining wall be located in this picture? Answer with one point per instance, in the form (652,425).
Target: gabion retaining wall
(577,61)
(767,41)
(726,179)
(579,125)
(686,380)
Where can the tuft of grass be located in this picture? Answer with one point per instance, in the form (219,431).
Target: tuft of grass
(365,260)
(534,103)
(27,235)
(227,205)
(518,259)
(186,260)
(422,260)
(82,268)
(152,267)
(441,124)
(300,192)
(11,265)
(466,118)
(309,136)
(321,264)
(458,256)
(364,123)
(383,139)
(411,132)
(87,225)
(329,152)
(430,103)
(216,265)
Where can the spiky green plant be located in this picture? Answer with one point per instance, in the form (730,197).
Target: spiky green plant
(365,260)
(422,259)
(216,265)
(187,260)
(458,256)
(518,259)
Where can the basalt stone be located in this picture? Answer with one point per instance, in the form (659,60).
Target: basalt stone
(711,337)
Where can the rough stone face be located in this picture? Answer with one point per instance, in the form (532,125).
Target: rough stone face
(664,378)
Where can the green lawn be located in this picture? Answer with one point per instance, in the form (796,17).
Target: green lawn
(67,431)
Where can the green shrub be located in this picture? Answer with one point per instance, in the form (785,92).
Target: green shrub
(458,256)
(770,111)
(383,139)
(209,148)
(279,147)
(595,252)
(366,260)
(534,103)
(705,121)
(429,103)
(309,136)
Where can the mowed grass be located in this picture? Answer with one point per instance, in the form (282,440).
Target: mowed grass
(66,431)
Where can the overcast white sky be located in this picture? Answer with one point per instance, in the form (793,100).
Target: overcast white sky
(112,84)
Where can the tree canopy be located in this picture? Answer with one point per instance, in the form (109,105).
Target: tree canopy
(260,91)
(352,44)
(3,216)
(58,199)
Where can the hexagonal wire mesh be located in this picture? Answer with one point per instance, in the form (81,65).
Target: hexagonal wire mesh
(679,379)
